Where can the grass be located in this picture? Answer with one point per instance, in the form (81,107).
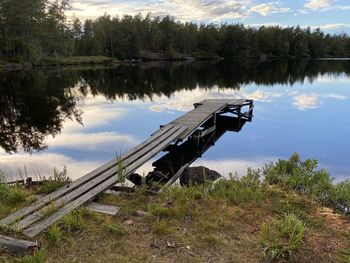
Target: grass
(282,237)
(74,221)
(54,234)
(58,180)
(247,219)
(38,257)
(115,228)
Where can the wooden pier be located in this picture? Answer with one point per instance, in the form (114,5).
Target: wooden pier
(197,125)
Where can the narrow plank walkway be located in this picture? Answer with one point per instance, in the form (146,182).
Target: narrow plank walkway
(49,209)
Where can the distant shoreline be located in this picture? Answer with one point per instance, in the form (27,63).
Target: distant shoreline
(156,57)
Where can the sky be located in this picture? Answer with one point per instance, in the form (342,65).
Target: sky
(332,16)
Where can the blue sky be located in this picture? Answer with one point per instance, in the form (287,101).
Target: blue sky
(330,15)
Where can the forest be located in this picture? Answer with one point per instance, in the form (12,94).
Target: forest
(35,30)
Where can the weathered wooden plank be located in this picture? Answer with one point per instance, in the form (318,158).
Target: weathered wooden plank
(113,171)
(18,246)
(102,208)
(59,193)
(37,228)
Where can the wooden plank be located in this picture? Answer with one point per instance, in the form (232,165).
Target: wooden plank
(18,246)
(102,208)
(37,228)
(32,218)
(59,193)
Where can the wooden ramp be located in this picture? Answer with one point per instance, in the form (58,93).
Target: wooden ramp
(49,209)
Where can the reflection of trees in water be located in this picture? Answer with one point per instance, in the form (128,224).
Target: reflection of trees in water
(35,104)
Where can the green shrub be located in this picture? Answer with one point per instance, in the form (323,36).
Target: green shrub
(281,238)
(11,195)
(239,190)
(301,177)
(341,196)
(59,179)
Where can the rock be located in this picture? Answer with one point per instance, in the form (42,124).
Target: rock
(155,176)
(135,178)
(142,213)
(198,175)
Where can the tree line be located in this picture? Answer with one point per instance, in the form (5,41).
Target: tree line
(31,30)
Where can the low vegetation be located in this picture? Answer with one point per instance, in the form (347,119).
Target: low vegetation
(282,237)
(289,211)
(59,179)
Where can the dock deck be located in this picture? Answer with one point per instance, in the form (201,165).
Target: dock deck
(34,218)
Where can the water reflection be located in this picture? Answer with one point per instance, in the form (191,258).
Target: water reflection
(80,110)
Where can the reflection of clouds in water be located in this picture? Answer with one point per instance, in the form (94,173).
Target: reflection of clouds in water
(305,102)
(97,111)
(91,141)
(184,100)
(312,101)
(223,166)
(40,165)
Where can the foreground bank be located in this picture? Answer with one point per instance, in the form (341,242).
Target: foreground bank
(294,213)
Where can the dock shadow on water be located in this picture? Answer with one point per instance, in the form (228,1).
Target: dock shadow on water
(36,104)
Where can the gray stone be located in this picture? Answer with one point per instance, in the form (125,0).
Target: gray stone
(198,175)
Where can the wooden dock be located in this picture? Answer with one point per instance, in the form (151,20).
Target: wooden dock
(201,121)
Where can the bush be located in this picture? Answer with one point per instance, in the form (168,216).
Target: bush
(281,238)
(239,190)
(301,177)
(59,179)
(341,196)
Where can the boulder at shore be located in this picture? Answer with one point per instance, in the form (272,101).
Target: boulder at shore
(198,175)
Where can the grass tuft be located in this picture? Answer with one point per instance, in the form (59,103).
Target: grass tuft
(58,180)
(115,228)
(38,257)
(281,238)
(54,234)
(74,221)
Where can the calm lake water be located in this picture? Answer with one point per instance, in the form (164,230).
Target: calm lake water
(82,117)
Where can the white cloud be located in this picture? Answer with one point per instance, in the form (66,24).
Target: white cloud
(197,10)
(337,26)
(266,9)
(317,4)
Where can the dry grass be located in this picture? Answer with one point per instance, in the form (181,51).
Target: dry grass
(194,225)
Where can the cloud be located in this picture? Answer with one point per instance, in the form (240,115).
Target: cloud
(336,26)
(268,8)
(317,4)
(184,10)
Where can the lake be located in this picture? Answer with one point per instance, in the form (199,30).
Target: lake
(82,117)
